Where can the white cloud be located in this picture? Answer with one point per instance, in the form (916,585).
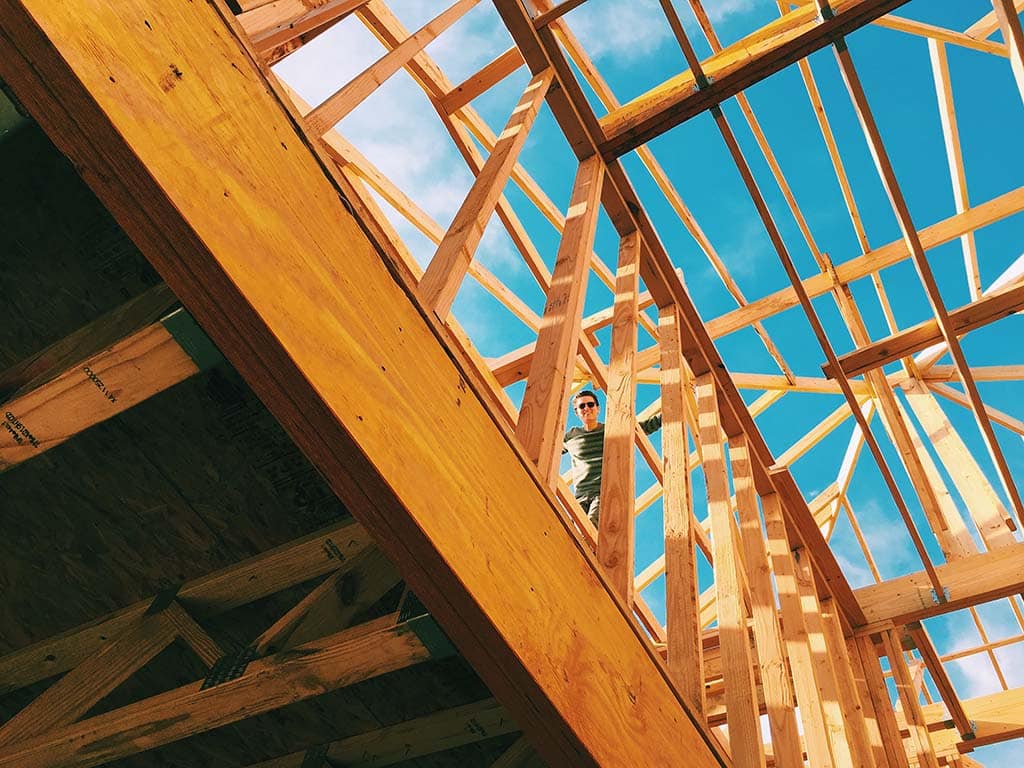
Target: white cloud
(628,31)
(972,675)
(396,127)
(622,31)
(858,575)
(720,10)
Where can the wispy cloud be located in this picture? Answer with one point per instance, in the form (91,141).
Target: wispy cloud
(973,675)
(858,575)
(421,161)
(624,31)
(634,30)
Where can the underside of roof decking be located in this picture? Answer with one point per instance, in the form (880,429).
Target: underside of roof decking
(260,328)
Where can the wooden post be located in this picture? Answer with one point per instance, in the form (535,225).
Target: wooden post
(738,665)
(892,741)
(871,716)
(919,738)
(824,673)
(685,650)
(775,680)
(848,694)
(795,634)
(543,412)
(616,530)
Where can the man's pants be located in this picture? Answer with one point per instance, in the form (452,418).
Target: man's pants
(592,507)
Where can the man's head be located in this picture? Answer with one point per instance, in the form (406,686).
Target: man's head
(587,408)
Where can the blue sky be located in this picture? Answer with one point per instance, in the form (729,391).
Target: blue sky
(633,47)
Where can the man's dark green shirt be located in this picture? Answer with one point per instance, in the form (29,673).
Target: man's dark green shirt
(586,449)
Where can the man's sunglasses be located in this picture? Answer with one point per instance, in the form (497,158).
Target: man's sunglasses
(583,406)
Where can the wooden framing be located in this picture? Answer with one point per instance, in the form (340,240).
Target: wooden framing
(544,408)
(443,277)
(747,748)
(248,581)
(792,37)
(384,378)
(78,388)
(332,447)
(321,666)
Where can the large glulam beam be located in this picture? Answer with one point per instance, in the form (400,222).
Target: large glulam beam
(775,46)
(309,313)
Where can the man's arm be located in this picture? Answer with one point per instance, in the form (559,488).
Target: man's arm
(651,425)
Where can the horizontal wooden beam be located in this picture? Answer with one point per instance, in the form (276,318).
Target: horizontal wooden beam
(969,581)
(258,577)
(967,318)
(426,735)
(69,387)
(996,717)
(518,594)
(945,231)
(266,684)
(775,46)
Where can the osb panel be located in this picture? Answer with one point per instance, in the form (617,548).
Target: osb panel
(165,493)
(52,225)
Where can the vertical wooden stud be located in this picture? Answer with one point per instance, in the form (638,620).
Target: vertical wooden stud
(616,529)
(685,650)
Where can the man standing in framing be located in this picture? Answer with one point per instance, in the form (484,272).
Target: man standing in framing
(585,446)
